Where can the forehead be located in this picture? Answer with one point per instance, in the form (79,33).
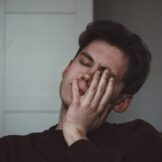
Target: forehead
(106,55)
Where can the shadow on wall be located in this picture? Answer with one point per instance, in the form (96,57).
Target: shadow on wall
(147,23)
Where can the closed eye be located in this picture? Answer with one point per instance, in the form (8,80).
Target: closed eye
(85,59)
(85,63)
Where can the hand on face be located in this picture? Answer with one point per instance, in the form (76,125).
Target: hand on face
(89,111)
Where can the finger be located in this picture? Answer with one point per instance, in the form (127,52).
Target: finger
(107,95)
(101,118)
(101,87)
(93,87)
(75,91)
(104,115)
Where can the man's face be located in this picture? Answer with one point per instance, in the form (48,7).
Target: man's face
(98,55)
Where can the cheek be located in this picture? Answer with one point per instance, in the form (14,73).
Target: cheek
(118,88)
(117,91)
(73,72)
(64,73)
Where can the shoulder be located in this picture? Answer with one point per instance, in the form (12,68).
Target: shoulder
(134,126)
(128,128)
(141,126)
(136,130)
(29,146)
(139,133)
(143,140)
(18,139)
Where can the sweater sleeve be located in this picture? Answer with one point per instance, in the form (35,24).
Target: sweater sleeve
(143,144)
(85,151)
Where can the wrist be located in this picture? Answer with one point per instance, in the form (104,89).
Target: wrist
(73,135)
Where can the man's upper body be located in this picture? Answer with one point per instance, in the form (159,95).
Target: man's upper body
(135,141)
(110,66)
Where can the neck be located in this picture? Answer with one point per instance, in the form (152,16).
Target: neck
(63,111)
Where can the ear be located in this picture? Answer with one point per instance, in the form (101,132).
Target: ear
(66,68)
(123,104)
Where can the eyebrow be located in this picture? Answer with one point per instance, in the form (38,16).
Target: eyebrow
(102,68)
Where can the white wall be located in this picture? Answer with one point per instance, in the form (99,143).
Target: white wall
(37,40)
(145,18)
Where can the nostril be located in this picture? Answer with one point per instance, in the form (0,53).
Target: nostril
(85,81)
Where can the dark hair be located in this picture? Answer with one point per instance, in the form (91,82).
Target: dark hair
(129,43)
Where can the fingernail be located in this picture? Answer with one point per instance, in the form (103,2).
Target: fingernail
(112,79)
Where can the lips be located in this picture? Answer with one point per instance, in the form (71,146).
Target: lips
(83,87)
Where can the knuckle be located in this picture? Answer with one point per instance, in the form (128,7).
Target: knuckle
(94,88)
(102,88)
(76,103)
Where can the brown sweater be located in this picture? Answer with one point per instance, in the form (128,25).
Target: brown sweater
(135,141)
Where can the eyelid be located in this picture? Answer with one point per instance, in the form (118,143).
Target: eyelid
(85,61)
(87,56)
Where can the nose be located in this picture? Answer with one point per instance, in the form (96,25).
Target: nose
(87,77)
(89,74)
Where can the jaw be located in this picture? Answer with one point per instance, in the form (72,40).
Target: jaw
(64,95)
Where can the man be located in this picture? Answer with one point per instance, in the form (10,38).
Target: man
(110,66)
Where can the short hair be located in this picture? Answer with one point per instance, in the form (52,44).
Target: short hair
(129,43)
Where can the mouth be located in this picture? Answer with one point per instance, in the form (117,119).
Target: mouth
(81,91)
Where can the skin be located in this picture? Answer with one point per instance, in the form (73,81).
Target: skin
(91,87)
